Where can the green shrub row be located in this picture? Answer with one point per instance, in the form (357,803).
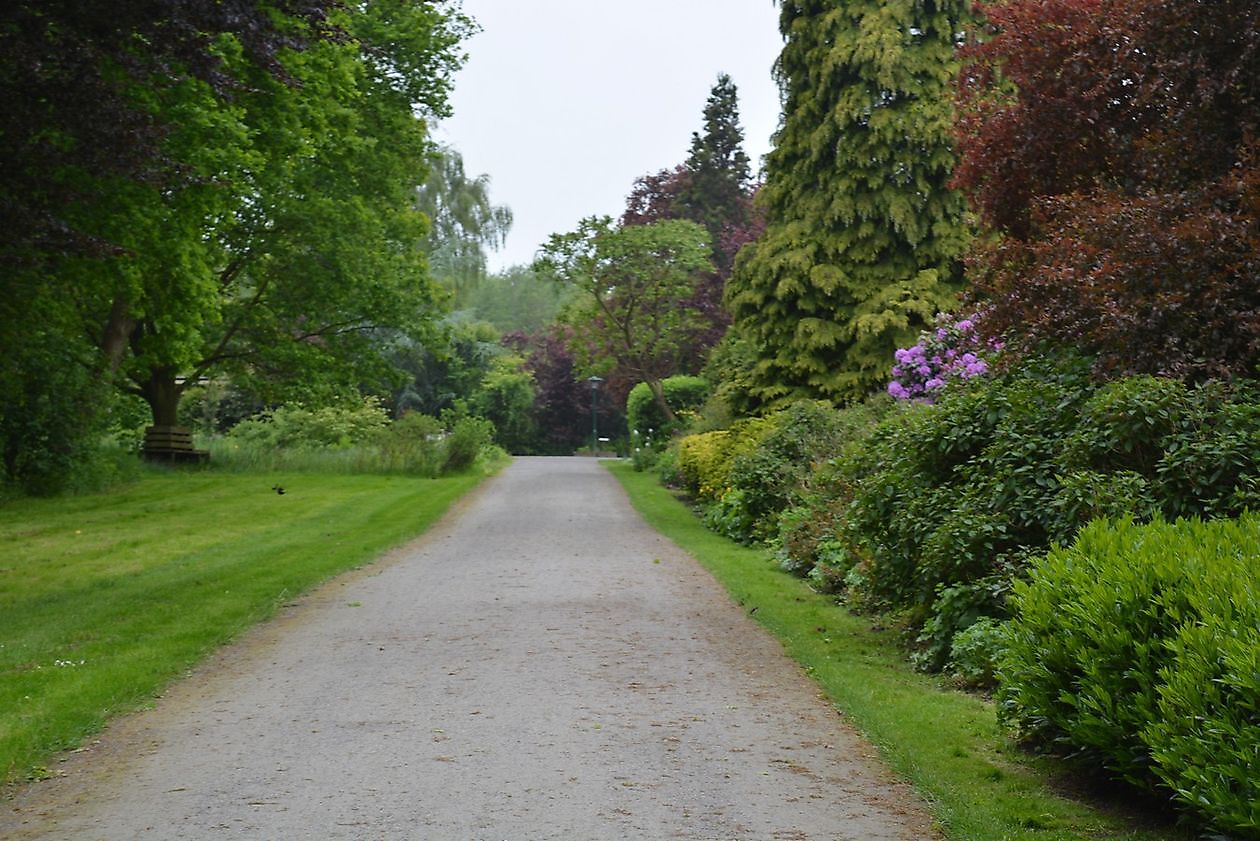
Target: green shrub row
(1137,649)
(354,438)
(748,475)
(941,506)
(934,514)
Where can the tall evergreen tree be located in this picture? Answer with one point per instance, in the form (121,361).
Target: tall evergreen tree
(864,235)
(716,188)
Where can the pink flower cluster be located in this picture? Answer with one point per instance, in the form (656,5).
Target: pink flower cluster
(953,350)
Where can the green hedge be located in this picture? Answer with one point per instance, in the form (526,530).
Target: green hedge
(644,417)
(1137,649)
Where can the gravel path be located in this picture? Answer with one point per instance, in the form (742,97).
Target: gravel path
(540,665)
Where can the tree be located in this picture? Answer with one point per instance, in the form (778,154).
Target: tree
(298,243)
(711,188)
(1113,148)
(67,76)
(444,374)
(102,103)
(463,221)
(517,300)
(718,177)
(864,236)
(635,283)
(562,401)
(505,397)
(656,197)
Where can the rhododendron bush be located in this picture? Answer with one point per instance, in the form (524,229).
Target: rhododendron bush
(953,350)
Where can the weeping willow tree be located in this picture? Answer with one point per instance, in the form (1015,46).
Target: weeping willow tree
(864,235)
(464,222)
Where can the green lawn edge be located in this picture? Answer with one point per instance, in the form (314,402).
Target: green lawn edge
(946,743)
(108,598)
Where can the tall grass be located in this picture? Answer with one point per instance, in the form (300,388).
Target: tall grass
(231,455)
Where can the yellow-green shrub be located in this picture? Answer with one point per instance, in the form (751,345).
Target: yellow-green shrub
(705,460)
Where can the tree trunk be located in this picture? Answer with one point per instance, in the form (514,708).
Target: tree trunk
(658,392)
(162,393)
(117,334)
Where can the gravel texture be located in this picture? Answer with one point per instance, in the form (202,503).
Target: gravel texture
(540,665)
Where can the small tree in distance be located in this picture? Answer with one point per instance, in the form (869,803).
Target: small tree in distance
(634,283)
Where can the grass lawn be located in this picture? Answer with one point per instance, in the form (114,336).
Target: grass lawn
(105,599)
(946,743)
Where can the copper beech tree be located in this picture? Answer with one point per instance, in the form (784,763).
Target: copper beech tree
(1113,146)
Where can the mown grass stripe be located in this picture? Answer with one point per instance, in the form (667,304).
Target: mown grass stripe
(106,599)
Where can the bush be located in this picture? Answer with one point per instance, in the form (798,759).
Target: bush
(975,652)
(53,414)
(644,417)
(961,491)
(772,475)
(1205,740)
(705,460)
(413,444)
(1124,425)
(467,438)
(1211,468)
(349,440)
(1135,649)
(952,350)
(295,426)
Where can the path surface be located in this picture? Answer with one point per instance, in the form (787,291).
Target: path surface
(541,665)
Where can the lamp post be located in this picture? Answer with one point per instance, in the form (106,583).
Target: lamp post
(594,381)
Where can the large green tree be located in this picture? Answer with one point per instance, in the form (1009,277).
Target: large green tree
(287,238)
(863,234)
(113,113)
(636,283)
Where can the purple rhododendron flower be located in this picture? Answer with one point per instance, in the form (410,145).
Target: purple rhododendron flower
(949,351)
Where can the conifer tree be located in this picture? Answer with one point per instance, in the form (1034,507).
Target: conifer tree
(864,235)
(714,192)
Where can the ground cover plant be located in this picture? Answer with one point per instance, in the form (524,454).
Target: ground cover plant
(107,598)
(947,743)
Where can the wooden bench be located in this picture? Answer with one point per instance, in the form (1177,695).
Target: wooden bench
(172,444)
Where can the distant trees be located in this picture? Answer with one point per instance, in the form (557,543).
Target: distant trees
(635,284)
(712,188)
(864,236)
(1114,147)
(716,190)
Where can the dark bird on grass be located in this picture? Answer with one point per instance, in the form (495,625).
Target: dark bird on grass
(278,489)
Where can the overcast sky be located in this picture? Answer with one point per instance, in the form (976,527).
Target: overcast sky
(563,103)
